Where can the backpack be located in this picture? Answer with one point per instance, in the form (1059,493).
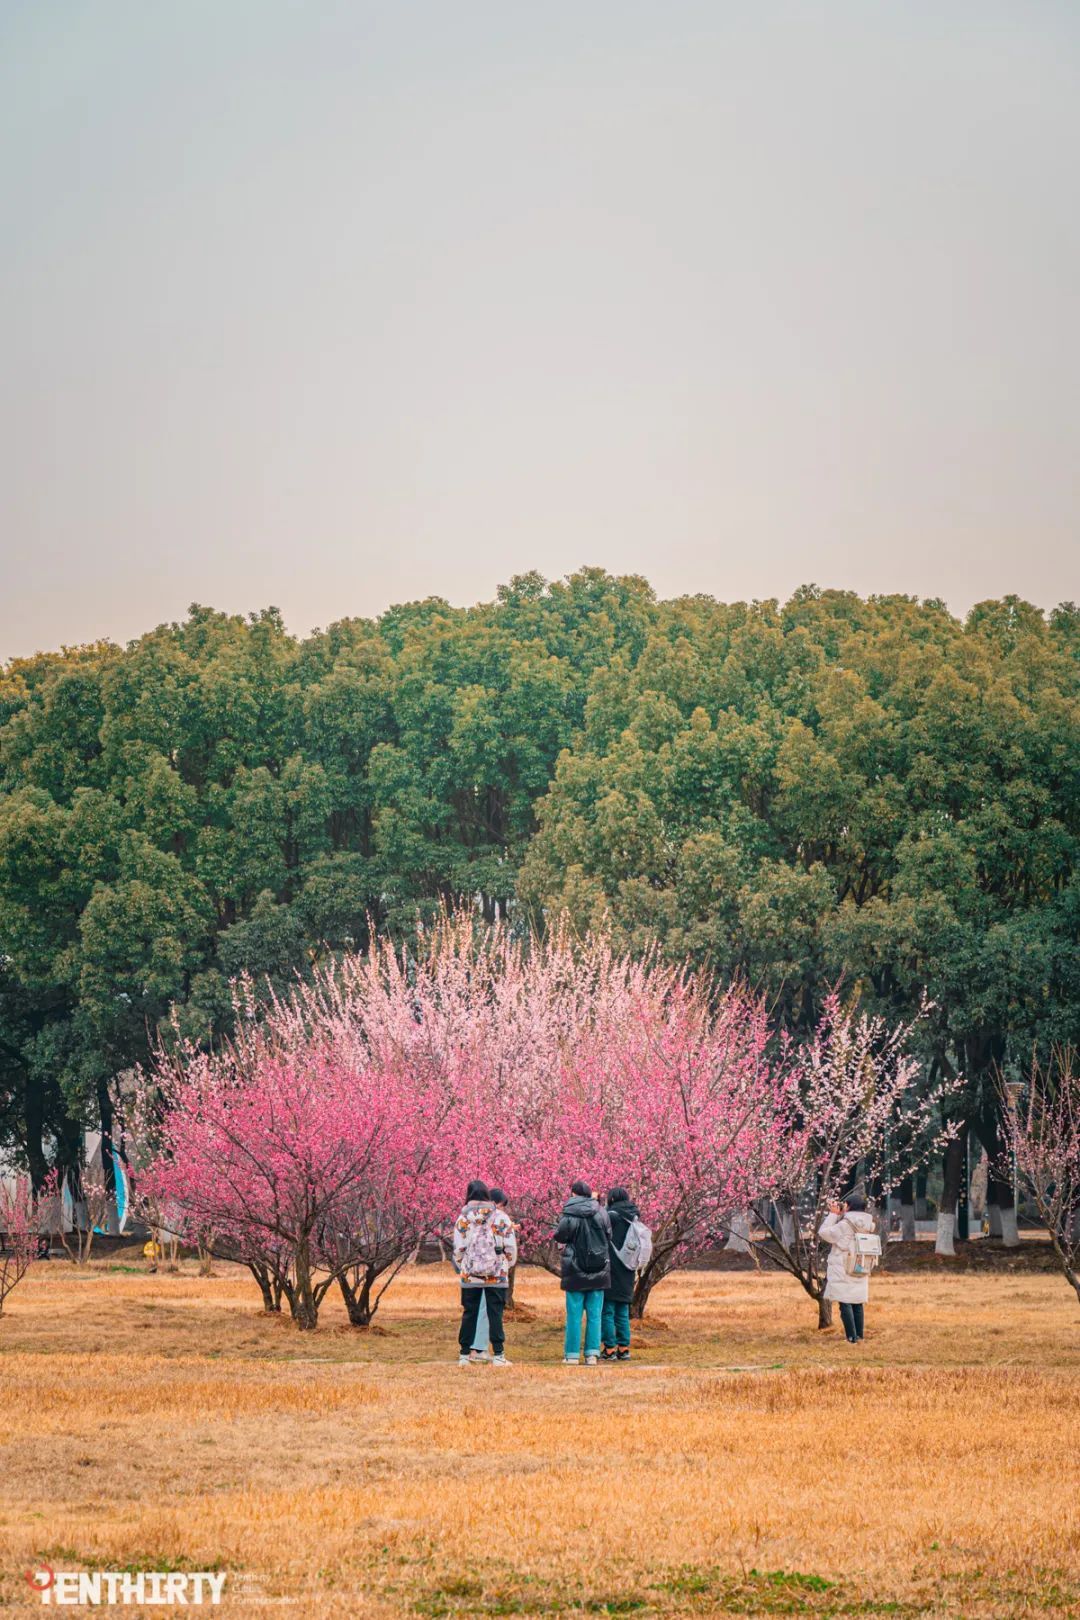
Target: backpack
(863,1255)
(590,1246)
(636,1250)
(479,1257)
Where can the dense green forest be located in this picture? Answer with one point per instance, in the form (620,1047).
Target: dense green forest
(836,788)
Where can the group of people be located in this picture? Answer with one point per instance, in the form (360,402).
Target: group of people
(604,1245)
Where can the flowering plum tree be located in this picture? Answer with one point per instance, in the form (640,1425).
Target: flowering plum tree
(262,1142)
(628,1072)
(315,1145)
(858,1111)
(1042,1132)
(89,1212)
(19,1235)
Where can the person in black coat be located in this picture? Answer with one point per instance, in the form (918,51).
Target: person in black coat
(615,1319)
(582,1226)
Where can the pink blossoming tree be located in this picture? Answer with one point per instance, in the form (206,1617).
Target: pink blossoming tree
(1042,1132)
(264,1144)
(19,1235)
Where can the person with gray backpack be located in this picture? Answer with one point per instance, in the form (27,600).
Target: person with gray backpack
(630,1250)
(583,1231)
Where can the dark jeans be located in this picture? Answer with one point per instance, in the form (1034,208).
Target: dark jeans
(852,1318)
(470,1310)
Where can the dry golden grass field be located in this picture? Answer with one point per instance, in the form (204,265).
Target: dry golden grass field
(742,1464)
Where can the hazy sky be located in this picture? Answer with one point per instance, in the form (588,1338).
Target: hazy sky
(329,306)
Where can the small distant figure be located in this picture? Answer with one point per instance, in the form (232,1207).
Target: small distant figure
(854,1251)
(631,1247)
(583,1231)
(485,1247)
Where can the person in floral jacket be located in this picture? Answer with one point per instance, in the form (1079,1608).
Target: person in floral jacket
(485,1247)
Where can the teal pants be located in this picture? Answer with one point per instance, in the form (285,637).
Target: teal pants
(589,1305)
(615,1326)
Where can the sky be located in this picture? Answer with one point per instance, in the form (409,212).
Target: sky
(328,306)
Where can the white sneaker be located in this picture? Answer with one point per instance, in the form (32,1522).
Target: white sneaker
(463,1361)
(571,1361)
(591,1361)
(501,1361)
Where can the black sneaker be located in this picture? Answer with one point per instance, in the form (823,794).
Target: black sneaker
(607,1354)
(623,1353)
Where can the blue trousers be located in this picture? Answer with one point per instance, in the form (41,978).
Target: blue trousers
(589,1305)
(615,1324)
(852,1318)
(481,1340)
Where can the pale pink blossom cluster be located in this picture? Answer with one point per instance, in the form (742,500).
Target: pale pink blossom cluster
(863,1118)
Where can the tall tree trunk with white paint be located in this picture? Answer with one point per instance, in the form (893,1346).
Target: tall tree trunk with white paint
(955,1158)
(908,1232)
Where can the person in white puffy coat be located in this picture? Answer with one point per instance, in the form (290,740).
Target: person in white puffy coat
(850,1293)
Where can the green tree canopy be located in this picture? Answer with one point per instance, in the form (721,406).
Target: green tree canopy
(836,788)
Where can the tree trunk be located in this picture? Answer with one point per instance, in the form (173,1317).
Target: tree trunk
(655,1272)
(955,1160)
(980,1188)
(643,1287)
(907,1209)
(946,1232)
(738,1234)
(511,1278)
(271,1293)
(69,1141)
(1073,1277)
(1001,1195)
(920,1195)
(305,1310)
(993,1217)
(35,1128)
(357,1296)
(824,1312)
(105,1111)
